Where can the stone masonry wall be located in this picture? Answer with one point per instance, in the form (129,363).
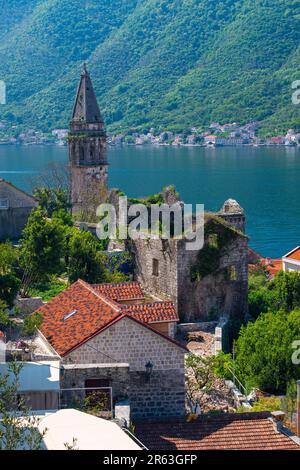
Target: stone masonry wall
(165,285)
(129,342)
(162,395)
(216,295)
(118,377)
(213,297)
(88,188)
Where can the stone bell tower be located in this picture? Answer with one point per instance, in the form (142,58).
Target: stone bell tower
(87,152)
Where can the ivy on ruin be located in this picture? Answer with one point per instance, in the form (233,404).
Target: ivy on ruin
(218,236)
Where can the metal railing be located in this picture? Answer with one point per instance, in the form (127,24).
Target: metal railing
(235,379)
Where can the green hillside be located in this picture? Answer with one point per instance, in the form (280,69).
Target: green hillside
(162,63)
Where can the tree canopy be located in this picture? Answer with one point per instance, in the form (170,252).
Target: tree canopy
(42,248)
(264,351)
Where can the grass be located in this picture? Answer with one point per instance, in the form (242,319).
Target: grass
(48,290)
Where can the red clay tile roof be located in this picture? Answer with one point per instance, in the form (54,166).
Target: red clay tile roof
(81,311)
(90,312)
(295,254)
(274,267)
(152,313)
(245,431)
(120,292)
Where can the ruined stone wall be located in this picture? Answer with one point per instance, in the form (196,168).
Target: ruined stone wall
(214,296)
(144,252)
(221,293)
(28,305)
(237,221)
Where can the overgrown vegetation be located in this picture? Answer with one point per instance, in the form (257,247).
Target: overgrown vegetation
(264,351)
(52,200)
(49,289)
(9,282)
(158,198)
(42,249)
(32,323)
(201,373)
(263,404)
(267,353)
(218,235)
(281,293)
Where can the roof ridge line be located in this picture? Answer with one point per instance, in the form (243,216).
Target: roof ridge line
(125,283)
(114,305)
(162,302)
(9,183)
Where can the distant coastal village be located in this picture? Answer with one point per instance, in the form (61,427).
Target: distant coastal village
(216,135)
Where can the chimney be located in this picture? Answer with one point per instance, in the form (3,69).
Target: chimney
(278,418)
(298,408)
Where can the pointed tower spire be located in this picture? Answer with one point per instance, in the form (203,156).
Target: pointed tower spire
(87,151)
(86,108)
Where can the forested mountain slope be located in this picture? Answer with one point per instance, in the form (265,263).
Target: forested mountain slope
(161,63)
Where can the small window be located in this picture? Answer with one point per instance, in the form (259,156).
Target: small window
(4,204)
(155,267)
(213,240)
(232,273)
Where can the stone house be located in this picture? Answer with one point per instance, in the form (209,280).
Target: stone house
(15,207)
(106,337)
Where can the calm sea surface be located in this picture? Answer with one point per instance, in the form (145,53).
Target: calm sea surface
(265,181)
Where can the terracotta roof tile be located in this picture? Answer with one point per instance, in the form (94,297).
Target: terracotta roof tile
(245,431)
(274,267)
(295,254)
(81,311)
(152,312)
(88,312)
(121,291)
